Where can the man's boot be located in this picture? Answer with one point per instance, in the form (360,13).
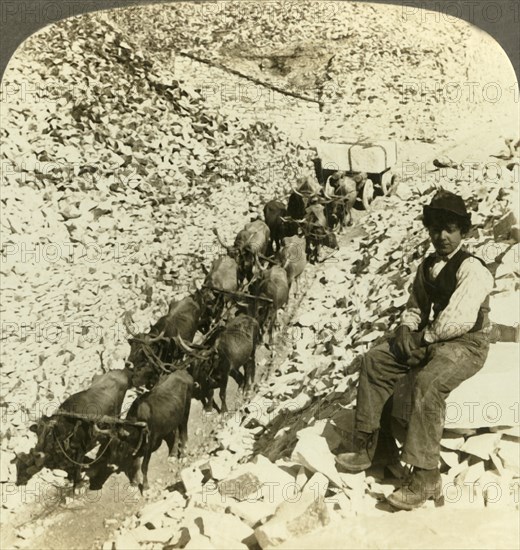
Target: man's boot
(423,485)
(364,446)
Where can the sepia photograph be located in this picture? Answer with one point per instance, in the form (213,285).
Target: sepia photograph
(260,276)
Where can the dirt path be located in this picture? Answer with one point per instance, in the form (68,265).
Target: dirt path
(88,518)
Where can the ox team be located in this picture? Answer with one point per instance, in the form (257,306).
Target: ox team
(237,306)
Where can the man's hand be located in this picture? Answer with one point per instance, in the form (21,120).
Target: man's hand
(417,357)
(406,342)
(417,338)
(403,342)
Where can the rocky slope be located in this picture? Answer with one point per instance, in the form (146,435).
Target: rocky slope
(377,71)
(120,163)
(272,479)
(107,207)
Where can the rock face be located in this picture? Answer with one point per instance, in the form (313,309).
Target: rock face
(489,394)
(507,226)
(293,519)
(318,51)
(83,205)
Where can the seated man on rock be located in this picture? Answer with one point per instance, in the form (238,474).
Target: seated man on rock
(443,339)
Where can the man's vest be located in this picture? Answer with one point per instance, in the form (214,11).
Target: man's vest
(440,290)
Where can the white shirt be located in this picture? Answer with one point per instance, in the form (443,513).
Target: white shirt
(474,283)
(440,262)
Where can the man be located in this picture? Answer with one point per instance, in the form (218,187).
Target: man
(442,341)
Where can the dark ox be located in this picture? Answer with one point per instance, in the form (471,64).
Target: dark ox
(274,212)
(306,193)
(316,232)
(234,346)
(63,441)
(342,199)
(274,285)
(250,241)
(164,413)
(149,351)
(223,275)
(293,258)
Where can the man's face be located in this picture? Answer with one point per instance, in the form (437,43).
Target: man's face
(445,237)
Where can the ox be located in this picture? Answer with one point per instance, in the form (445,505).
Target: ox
(316,232)
(292,257)
(306,193)
(223,275)
(158,347)
(341,200)
(63,441)
(274,212)
(164,412)
(234,346)
(250,241)
(274,285)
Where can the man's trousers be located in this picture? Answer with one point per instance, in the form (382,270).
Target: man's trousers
(446,365)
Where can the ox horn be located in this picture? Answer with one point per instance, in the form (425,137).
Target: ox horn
(267,259)
(127,324)
(182,344)
(188,349)
(155,359)
(157,338)
(327,185)
(98,430)
(150,340)
(221,242)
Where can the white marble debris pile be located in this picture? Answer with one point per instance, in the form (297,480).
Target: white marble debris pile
(101,168)
(81,258)
(275,472)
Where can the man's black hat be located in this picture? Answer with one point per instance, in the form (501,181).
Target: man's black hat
(447,202)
